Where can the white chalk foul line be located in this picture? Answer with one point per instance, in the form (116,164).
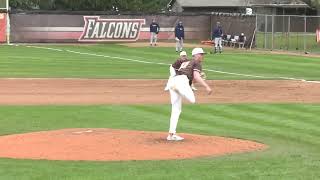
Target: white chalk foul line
(237,74)
(147,62)
(39,47)
(113,57)
(318,82)
(81,132)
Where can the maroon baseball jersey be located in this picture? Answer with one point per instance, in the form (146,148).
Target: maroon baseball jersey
(188,67)
(176,65)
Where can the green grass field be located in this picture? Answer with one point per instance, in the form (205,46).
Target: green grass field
(22,61)
(290,130)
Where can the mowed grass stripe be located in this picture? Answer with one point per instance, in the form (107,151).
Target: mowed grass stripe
(279,122)
(268,69)
(240,119)
(288,66)
(256,62)
(285,112)
(269,120)
(80,66)
(161,54)
(308,112)
(57,64)
(230,121)
(286,117)
(147,53)
(248,58)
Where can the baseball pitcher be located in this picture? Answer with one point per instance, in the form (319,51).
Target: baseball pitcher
(179,87)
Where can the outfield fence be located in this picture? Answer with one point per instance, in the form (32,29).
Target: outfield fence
(28,28)
(274,32)
(284,32)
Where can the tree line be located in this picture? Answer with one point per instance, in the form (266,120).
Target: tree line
(106,5)
(314,3)
(91,5)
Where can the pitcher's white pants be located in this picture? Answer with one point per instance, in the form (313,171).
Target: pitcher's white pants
(179,88)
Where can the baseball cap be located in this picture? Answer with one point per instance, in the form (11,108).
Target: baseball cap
(197,51)
(183,53)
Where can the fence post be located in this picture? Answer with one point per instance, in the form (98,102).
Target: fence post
(265,31)
(305,33)
(254,34)
(211,28)
(272,27)
(289,24)
(8,22)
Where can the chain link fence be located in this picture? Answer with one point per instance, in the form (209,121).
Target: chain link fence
(292,33)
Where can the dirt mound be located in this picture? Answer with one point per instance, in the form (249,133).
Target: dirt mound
(115,145)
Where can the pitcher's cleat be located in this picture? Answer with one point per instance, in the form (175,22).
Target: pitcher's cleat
(193,88)
(174,137)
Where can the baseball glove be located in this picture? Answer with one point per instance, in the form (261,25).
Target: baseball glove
(203,75)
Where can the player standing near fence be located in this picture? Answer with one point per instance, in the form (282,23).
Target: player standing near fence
(179,36)
(154,31)
(217,37)
(179,87)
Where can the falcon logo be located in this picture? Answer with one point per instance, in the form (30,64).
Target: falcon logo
(99,30)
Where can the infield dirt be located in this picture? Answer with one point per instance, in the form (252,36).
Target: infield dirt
(115,145)
(108,91)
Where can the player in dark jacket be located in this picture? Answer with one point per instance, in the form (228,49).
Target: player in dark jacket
(217,37)
(154,30)
(179,36)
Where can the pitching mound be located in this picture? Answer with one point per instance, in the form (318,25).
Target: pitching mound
(115,145)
